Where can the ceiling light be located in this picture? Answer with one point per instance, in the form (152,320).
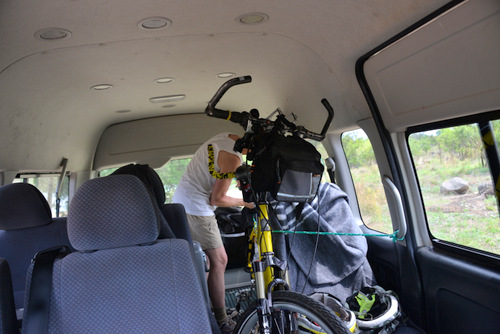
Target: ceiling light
(50,34)
(252,18)
(101,87)
(225,75)
(168,98)
(164,80)
(152,23)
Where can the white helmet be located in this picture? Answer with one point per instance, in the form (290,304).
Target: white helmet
(346,315)
(375,308)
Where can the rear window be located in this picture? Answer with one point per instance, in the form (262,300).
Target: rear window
(47,184)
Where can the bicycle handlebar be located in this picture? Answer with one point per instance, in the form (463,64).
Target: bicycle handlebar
(236,117)
(244,117)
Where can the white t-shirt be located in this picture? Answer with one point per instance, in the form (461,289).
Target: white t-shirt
(195,186)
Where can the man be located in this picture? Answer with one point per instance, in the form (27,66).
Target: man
(202,188)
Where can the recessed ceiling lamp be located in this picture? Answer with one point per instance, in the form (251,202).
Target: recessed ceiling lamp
(225,75)
(101,87)
(252,18)
(51,34)
(152,23)
(164,80)
(168,98)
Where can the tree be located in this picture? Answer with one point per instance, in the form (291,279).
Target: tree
(171,174)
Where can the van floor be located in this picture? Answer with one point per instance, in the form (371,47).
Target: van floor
(240,292)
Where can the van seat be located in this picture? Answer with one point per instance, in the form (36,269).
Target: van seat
(8,321)
(26,227)
(122,278)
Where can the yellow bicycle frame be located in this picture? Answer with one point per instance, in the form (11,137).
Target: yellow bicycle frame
(261,241)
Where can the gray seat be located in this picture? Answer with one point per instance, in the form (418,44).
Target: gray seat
(175,223)
(26,227)
(8,321)
(122,278)
(174,213)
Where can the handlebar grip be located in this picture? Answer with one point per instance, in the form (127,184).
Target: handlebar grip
(223,89)
(329,109)
(233,116)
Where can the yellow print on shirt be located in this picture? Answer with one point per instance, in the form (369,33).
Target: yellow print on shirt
(211,166)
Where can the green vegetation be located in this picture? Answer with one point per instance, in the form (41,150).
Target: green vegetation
(171,174)
(471,219)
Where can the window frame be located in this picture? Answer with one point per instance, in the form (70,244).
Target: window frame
(24,177)
(445,245)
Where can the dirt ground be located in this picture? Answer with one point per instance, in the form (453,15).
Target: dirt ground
(472,202)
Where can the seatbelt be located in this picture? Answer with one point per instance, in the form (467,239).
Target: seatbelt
(37,312)
(64,163)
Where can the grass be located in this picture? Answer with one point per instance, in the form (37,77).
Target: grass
(471,219)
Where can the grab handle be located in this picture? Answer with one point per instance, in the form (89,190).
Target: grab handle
(396,203)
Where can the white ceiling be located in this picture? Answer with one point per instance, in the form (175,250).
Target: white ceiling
(304,52)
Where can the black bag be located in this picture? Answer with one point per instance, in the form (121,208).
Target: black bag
(234,226)
(289,168)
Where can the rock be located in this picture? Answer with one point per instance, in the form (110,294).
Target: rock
(486,189)
(455,185)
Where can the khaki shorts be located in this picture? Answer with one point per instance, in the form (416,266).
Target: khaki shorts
(204,229)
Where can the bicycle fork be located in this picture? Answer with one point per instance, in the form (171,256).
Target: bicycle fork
(269,273)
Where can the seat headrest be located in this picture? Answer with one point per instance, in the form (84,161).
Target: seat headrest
(22,205)
(110,212)
(148,176)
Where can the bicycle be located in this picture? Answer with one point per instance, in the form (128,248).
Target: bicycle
(277,309)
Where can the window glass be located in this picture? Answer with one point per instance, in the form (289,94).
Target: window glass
(47,184)
(171,174)
(366,177)
(324,155)
(456,186)
(106,172)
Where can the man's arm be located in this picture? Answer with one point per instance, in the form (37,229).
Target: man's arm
(227,163)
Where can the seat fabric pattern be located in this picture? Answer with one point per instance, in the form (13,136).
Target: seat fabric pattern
(175,214)
(8,321)
(26,227)
(154,185)
(98,206)
(123,280)
(141,289)
(148,176)
(22,205)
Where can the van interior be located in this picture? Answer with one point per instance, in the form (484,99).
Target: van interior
(87,87)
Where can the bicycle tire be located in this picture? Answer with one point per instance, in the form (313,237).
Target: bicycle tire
(298,303)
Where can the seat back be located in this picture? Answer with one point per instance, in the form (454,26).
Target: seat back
(173,212)
(121,278)
(8,321)
(175,221)
(26,227)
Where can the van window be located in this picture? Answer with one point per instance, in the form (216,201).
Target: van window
(170,174)
(456,185)
(47,184)
(366,177)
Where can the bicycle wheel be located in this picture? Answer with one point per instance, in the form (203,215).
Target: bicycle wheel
(303,314)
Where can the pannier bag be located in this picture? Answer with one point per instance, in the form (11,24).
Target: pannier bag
(234,228)
(289,168)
